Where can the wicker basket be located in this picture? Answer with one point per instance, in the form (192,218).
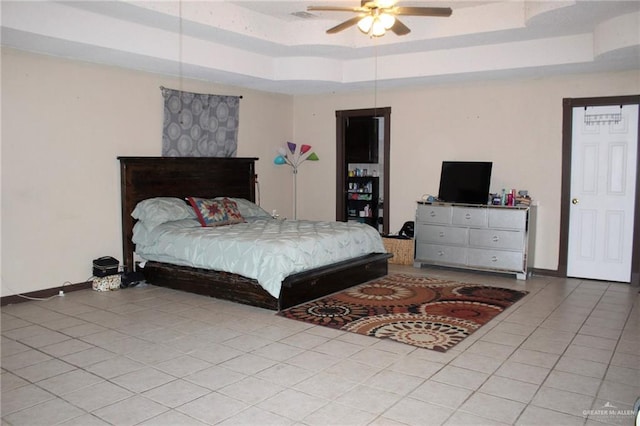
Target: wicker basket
(402,250)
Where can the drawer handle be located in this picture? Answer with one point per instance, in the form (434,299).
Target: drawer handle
(494,259)
(432,213)
(467,216)
(495,238)
(441,234)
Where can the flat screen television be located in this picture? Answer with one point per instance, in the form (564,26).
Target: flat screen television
(465,182)
(361,140)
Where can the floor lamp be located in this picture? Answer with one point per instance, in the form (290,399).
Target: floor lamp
(294,157)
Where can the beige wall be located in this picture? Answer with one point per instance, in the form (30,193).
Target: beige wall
(515,124)
(63,125)
(65,122)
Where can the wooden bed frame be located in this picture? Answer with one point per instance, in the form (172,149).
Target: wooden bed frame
(148,177)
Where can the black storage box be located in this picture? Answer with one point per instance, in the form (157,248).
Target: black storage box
(105,266)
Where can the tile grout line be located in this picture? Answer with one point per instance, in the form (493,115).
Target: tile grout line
(585,419)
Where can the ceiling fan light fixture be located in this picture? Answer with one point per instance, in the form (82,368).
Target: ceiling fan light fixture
(387,20)
(365,24)
(386,4)
(376,25)
(377,28)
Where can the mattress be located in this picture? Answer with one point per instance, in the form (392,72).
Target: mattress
(267,250)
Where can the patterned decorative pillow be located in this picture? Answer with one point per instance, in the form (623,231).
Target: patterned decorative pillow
(216,212)
(247,208)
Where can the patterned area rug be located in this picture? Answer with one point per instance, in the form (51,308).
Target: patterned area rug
(425,312)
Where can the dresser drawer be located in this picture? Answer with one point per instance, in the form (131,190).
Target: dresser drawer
(498,239)
(441,254)
(442,234)
(496,259)
(506,218)
(470,216)
(434,214)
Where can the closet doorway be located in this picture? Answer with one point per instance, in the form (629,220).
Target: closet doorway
(362,170)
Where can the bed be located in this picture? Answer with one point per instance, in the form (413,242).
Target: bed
(144,178)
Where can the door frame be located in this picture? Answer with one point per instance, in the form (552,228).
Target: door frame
(565,199)
(341,165)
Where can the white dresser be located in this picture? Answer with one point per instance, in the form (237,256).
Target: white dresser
(481,237)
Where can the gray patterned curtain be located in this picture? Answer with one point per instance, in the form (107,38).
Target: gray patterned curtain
(199,125)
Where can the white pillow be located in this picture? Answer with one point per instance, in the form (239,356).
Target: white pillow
(248,210)
(155,211)
(141,235)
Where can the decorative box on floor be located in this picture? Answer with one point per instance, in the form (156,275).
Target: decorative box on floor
(401,248)
(108,283)
(105,266)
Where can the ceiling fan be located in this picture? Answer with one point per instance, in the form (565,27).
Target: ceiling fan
(375,17)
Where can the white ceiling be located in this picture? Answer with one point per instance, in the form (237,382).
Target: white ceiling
(264,45)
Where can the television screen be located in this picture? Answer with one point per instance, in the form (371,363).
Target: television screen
(361,140)
(465,182)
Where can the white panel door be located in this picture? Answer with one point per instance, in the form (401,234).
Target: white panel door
(603,175)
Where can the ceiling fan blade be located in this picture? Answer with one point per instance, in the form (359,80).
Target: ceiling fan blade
(424,11)
(334,9)
(399,28)
(343,26)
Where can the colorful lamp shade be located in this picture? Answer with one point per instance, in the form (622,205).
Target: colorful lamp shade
(294,156)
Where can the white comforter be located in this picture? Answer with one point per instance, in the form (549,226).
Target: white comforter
(267,250)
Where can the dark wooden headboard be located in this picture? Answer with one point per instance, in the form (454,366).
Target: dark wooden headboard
(205,177)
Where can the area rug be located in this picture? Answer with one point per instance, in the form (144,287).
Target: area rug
(421,311)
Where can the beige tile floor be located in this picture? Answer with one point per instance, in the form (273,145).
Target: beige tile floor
(568,353)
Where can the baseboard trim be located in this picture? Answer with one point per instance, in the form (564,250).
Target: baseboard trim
(548,272)
(42,294)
